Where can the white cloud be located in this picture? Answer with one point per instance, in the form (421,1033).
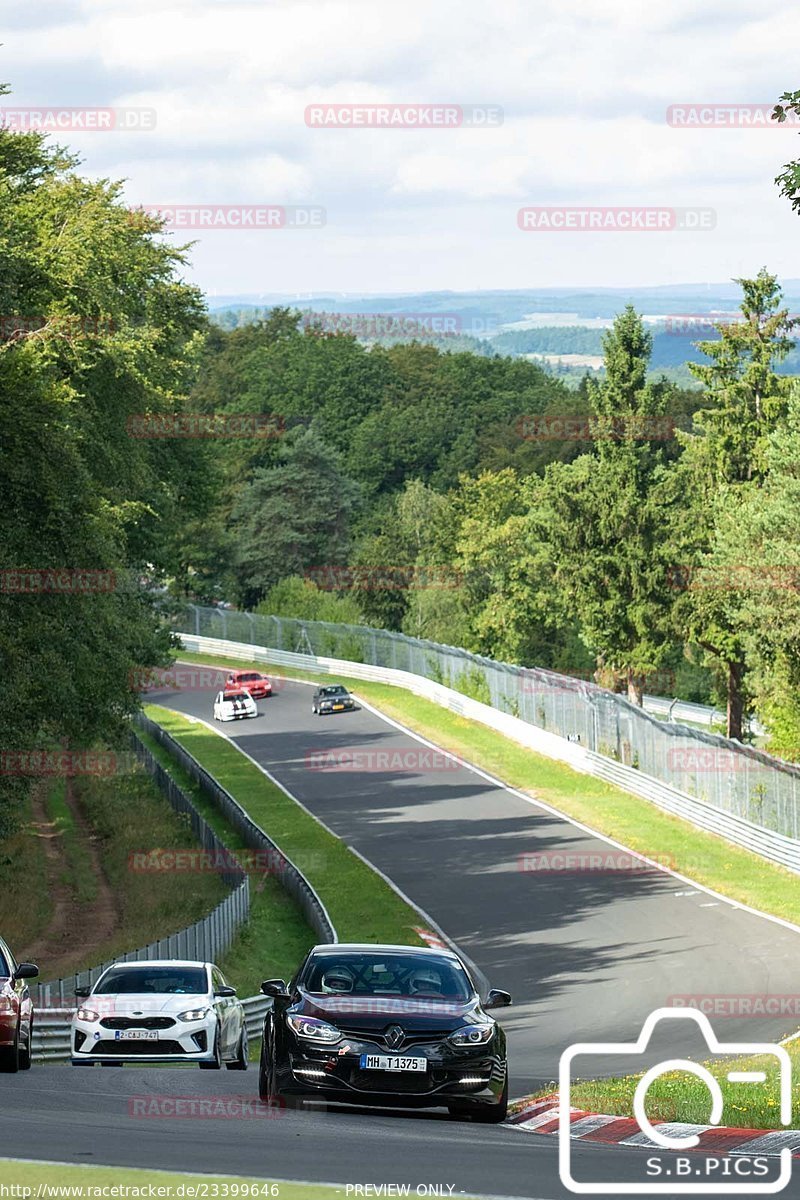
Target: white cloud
(585,85)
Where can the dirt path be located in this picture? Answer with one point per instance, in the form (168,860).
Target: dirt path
(76,930)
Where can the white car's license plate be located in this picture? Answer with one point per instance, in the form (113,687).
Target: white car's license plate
(392,1062)
(136,1035)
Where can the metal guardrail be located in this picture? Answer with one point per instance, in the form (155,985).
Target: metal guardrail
(205,940)
(696,714)
(725,815)
(254,837)
(51,1029)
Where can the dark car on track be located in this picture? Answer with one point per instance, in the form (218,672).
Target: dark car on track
(332,697)
(385,1025)
(16,1012)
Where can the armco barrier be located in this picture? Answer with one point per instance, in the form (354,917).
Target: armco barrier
(715,817)
(51,1029)
(289,876)
(205,940)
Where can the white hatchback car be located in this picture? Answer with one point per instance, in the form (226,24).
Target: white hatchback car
(160,1011)
(233,704)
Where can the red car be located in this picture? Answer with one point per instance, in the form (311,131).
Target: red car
(16,1012)
(256,684)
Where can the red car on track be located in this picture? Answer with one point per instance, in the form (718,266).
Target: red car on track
(256,684)
(16,1012)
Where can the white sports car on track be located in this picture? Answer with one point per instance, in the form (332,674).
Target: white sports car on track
(160,1011)
(233,704)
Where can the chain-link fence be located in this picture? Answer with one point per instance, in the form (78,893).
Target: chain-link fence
(726,774)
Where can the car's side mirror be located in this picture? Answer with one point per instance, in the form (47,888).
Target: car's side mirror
(274,987)
(497,999)
(82,992)
(225,991)
(26,971)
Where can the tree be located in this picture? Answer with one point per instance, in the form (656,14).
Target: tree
(103,331)
(293,518)
(789,178)
(757,548)
(745,399)
(605,515)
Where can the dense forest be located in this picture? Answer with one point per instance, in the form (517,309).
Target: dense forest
(625,527)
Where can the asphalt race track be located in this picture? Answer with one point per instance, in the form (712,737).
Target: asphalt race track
(587,956)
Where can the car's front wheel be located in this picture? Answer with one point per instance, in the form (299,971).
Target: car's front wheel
(9,1057)
(26,1051)
(239,1063)
(216,1062)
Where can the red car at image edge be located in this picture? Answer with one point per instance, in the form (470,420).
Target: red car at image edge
(16,1012)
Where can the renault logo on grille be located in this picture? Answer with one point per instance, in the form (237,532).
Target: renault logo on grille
(395,1036)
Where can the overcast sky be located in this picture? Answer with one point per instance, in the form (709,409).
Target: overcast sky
(584,86)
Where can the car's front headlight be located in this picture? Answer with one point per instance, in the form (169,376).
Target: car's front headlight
(472,1035)
(87,1014)
(313,1030)
(193,1014)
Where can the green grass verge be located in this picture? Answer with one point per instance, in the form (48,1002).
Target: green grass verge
(23,867)
(361,905)
(637,823)
(276,937)
(682,1097)
(32,1175)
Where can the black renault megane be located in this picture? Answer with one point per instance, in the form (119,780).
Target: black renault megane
(386,1025)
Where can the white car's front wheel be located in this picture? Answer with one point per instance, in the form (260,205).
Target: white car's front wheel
(216,1062)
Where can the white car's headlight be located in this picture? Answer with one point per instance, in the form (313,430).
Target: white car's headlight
(193,1014)
(87,1014)
(472,1035)
(313,1030)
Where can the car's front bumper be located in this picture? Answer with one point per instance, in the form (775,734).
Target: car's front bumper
(464,1077)
(184,1041)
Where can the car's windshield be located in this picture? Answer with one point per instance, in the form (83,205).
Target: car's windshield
(395,975)
(334,691)
(248,678)
(173,981)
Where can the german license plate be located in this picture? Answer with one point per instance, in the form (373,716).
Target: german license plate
(392,1062)
(136,1035)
